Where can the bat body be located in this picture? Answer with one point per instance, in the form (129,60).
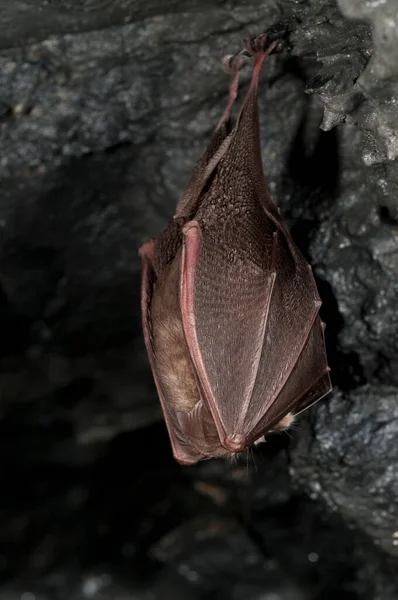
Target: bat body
(229,304)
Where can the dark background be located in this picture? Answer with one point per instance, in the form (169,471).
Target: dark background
(104,108)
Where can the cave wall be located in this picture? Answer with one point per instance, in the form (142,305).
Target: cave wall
(104,108)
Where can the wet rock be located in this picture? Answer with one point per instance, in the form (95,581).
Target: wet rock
(384,19)
(348,457)
(104,108)
(342,50)
(355,252)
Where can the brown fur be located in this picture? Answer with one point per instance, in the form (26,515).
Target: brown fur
(171,351)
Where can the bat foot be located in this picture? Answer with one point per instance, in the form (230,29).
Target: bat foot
(260,44)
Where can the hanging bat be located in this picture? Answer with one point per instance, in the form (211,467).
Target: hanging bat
(229,305)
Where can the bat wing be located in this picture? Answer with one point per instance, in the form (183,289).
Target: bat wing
(312,360)
(192,434)
(253,331)
(308,382)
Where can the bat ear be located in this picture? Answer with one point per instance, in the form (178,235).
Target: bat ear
(218,146)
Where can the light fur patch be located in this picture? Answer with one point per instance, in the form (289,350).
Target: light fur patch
(285,423)
(173,363)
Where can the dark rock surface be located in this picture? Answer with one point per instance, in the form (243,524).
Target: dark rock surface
(353,464)
(104,108)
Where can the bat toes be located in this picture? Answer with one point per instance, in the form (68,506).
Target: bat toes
(235,443)
(260,44)
(256,43)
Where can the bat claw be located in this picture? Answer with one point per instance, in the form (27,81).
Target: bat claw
(260,44)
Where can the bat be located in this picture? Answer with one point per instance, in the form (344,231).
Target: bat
(230,308)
